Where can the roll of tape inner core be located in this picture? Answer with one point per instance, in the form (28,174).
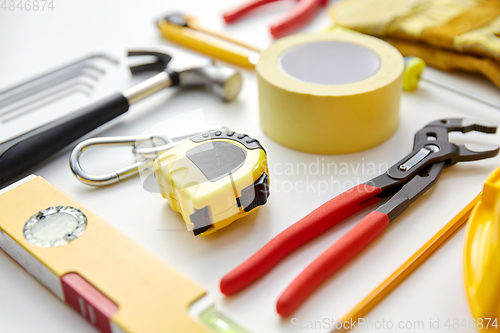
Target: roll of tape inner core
(329,62)
(330,93)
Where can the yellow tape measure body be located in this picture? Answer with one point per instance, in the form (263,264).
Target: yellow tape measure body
(214,179)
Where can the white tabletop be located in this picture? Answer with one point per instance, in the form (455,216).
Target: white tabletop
(33,42)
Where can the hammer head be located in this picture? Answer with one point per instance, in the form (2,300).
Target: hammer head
(161,60)
(223,81)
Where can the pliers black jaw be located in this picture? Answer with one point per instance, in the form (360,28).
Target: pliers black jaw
(432,151)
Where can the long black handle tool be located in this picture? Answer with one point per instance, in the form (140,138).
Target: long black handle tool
(21,153)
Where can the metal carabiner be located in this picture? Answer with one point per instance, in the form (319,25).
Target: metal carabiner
(117,175)
(148,154)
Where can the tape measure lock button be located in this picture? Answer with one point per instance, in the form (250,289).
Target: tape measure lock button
(213,179)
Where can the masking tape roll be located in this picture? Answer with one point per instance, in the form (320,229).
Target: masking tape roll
(330,93)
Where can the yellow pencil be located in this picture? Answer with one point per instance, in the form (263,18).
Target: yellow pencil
(378,294)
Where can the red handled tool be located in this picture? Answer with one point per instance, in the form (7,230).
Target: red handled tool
(295,18)
(404,183)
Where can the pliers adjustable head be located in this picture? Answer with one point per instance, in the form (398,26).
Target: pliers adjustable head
(431,145)
(432,152)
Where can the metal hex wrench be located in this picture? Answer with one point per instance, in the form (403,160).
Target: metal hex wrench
(19,154)
(81,68)
(45,97)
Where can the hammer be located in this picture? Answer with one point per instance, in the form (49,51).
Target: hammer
(19,154)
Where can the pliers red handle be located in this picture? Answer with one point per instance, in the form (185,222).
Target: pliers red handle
(295,18)
(317,222)
(405,181)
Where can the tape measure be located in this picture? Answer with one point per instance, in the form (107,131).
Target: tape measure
(213,179)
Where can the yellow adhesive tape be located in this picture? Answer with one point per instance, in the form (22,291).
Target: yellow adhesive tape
(327,93)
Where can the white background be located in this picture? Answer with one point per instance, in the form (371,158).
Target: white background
(31,43)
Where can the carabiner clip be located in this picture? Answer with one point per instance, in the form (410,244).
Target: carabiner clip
(148,154)
(120,174)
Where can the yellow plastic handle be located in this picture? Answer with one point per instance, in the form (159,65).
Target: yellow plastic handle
(414,67)
(206,44)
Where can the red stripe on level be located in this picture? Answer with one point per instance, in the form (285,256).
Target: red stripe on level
(88,301)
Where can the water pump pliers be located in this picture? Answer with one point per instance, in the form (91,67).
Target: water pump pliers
(403,183)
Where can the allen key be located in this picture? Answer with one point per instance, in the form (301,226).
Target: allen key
(39,80)
(46,97)
(48,85)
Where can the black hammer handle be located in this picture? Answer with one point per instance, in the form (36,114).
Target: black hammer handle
(21,153)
